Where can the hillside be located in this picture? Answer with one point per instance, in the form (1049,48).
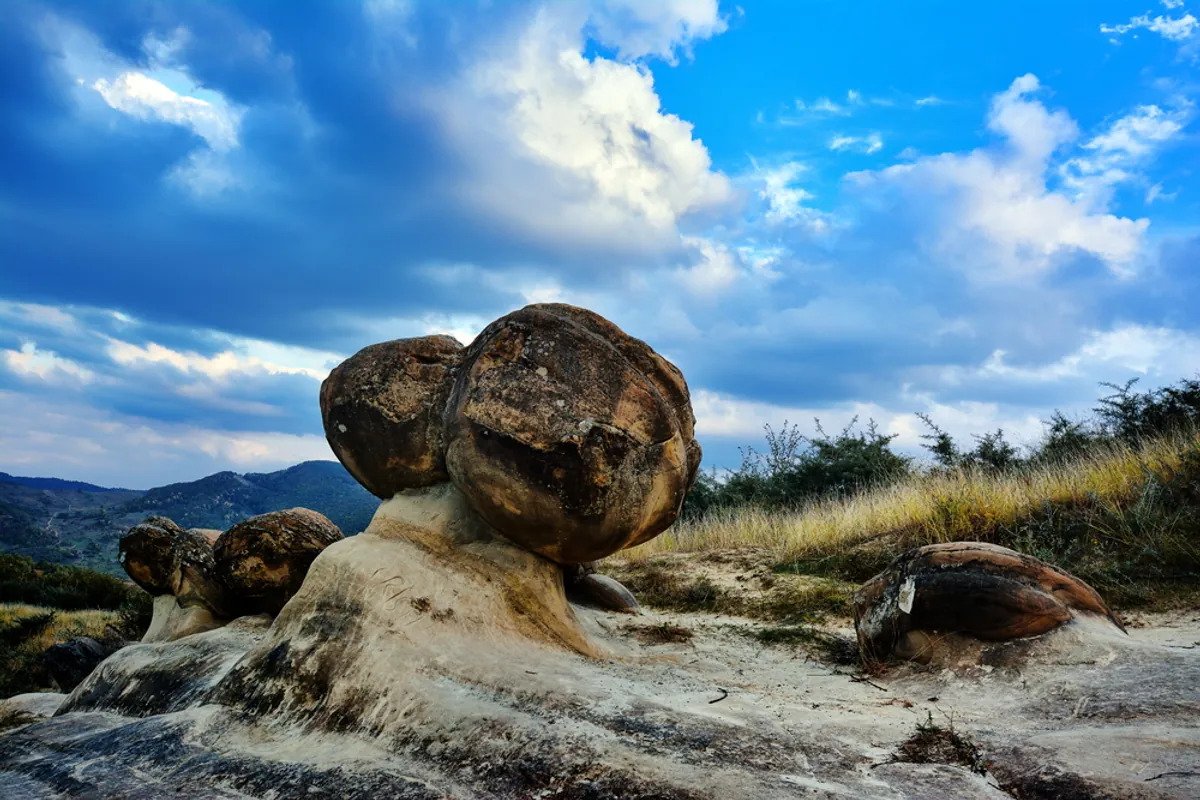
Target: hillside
(77,523)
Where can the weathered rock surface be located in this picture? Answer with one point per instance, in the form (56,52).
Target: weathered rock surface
(569,436)
(262,560)
(382,409)
(164,559)
(71,661)
(930,596)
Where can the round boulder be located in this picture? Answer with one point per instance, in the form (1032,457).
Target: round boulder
(983,591)
(382,411)
(262,560)
(165,559)
(568,436)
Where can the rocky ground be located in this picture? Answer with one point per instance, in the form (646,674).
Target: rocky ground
(680,705)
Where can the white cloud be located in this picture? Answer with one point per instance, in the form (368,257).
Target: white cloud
(574,148)
(1176,29)
(160,90)
(78,441)
(37,315)
(724,416)
(785,200)
(1114,156)
(869,144)
(142,97)
(715,268)
(1155,351)
(45,365)
(254,357)
(639,29)
(992,212)
(929,100)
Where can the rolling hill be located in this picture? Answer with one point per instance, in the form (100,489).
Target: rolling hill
(71,522)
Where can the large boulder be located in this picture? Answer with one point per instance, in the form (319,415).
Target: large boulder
(973,589)
(568,436)
(71,661)
(164,559)
(382,410)
(263,560)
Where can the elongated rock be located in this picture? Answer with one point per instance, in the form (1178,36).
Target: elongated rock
(382,411)
(262,560)
(568,436)
(981,590)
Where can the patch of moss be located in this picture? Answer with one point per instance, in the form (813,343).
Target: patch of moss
(934,744)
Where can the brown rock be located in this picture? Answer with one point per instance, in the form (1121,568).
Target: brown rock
(382,410)
(262,560)
(982,590)
(568,436)
(165,559)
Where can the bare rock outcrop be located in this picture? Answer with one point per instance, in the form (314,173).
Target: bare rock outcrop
(262,560)
(930,596)
(382,410)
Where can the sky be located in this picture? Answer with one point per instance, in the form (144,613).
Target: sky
(816,209)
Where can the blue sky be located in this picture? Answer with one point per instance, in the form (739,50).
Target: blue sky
(815,208)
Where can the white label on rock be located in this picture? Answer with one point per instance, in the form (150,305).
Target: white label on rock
(908,593)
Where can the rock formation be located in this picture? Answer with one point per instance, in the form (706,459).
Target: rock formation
(262,560)
(973,589)
(178,568)
(565,434)
(200,581)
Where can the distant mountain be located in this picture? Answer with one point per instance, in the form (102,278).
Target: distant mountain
(55,483)
(72,522)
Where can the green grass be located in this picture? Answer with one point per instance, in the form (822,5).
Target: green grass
(1124,518)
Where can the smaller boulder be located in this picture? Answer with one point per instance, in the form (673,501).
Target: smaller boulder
(382,411)
(262,560)
(70,662)
(587,587)
(983,591)
(165,559)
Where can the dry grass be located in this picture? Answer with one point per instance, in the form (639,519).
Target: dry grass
(1119,500)
(66,624)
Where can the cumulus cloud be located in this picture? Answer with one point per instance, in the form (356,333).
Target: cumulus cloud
(573,146)
(1114,156)
(663,29)
(994,210)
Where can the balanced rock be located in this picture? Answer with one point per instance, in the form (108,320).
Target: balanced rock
(262,560)
(166,560)
(983,591)
(382,410)
(568,436)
